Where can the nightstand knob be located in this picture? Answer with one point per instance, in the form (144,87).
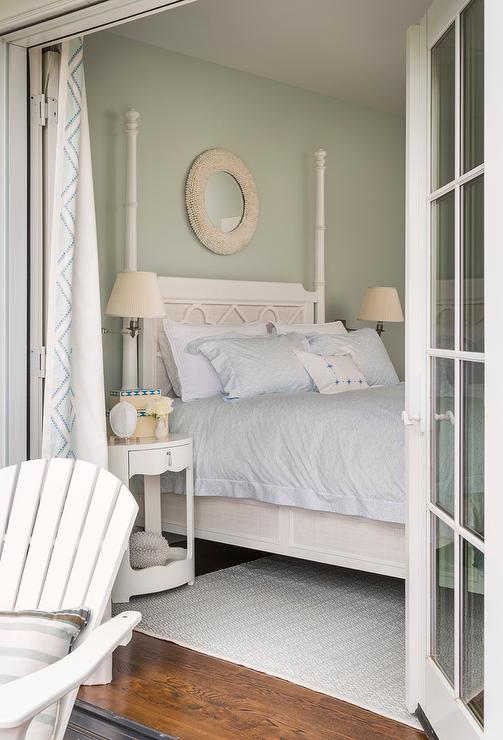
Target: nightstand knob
(168,453)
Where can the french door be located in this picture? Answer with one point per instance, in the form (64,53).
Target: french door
(455,241)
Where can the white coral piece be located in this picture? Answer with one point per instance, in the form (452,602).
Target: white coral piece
(147,549)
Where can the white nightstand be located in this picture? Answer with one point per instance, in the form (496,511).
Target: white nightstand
(150,458)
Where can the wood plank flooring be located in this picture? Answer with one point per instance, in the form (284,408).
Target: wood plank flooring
(193,696)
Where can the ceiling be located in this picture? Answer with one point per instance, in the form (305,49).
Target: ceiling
(349,49)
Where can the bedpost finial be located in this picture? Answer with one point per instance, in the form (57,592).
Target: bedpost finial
(320,156)
(132,117)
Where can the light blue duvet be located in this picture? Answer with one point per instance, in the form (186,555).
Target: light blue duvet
(342,453)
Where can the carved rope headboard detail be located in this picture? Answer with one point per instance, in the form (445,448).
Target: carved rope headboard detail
(222,303)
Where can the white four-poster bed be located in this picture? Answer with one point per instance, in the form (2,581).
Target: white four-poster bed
(352,542)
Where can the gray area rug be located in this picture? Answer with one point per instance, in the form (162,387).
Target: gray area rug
(332,630)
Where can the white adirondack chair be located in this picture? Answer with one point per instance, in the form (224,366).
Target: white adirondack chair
(64,527)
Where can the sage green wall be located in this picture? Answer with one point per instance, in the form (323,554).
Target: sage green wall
(187,106)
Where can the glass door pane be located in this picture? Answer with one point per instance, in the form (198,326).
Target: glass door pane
(473,630)
(443,109)
(472,30)
(442,632)
(456,361)
(442,434)
(443,264)
(473,266)
(473,446)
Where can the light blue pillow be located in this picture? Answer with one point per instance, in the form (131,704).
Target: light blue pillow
(251,366)
(367,350)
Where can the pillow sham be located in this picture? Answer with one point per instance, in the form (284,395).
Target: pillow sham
(332,327)
(367,350)
(253,366)
(333,373)
(192,376)
(31,640)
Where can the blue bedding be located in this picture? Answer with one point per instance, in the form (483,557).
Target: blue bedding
(342,453)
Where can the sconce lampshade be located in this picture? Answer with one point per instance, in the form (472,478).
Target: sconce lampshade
(136,294)
(381,304)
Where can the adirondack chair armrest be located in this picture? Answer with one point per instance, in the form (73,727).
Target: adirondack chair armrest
(22,699)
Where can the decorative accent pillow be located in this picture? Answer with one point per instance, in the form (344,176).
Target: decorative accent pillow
(333,373)
(192,376)
(367,350)
(252,366)
(332,327)
(31,640)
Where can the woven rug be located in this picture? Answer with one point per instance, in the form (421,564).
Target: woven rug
(332,630)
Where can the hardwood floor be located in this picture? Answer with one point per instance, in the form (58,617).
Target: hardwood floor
(193,696)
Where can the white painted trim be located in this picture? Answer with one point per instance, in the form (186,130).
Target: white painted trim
(415,341)
(36,328)
(91,18)
(4,272)
(13,254)
(494,359)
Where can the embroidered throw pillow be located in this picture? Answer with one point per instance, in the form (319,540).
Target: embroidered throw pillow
(31,640)
(367,350)
(333,373)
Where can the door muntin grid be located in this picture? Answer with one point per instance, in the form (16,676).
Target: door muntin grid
(456,360)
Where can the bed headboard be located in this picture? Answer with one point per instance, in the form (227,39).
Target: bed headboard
(222,303)
(215,302)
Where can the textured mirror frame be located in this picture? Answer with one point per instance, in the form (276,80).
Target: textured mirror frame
(204,166)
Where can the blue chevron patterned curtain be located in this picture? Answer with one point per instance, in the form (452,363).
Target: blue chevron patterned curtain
(74,399)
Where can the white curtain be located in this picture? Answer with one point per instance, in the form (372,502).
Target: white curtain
(74,399)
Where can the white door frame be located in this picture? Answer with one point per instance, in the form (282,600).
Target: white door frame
(13,254)
(415,359)
(21,306)
(416,231)
(494,362)
(89,19)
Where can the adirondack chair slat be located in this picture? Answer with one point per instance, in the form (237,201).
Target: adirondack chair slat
(52,502)
(95,528)
(19,528)
(64,528)
(69,533)
(112,549)
(9,480)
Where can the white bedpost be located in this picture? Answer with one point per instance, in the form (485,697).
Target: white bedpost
(319,237)
(130,344)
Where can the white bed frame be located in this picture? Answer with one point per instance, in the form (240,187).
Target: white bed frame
(352,542)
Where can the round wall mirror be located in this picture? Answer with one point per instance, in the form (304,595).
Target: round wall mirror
(224,202)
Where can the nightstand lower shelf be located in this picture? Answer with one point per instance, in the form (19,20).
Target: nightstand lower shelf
(151,458)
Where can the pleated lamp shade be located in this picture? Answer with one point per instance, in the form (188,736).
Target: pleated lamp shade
(381,304)
(136,294)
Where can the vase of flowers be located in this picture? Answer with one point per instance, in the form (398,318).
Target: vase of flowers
(160,409)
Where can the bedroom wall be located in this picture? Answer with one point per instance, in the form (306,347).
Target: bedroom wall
(187,106)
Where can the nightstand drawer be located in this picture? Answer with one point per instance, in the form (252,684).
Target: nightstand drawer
(155,462)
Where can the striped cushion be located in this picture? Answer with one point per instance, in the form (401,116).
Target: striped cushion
(31,640)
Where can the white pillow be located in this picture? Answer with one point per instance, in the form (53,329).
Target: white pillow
(253,366)
(192,376)
(333,327)
(333,373)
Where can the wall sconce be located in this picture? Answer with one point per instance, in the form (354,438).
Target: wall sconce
(380,305)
